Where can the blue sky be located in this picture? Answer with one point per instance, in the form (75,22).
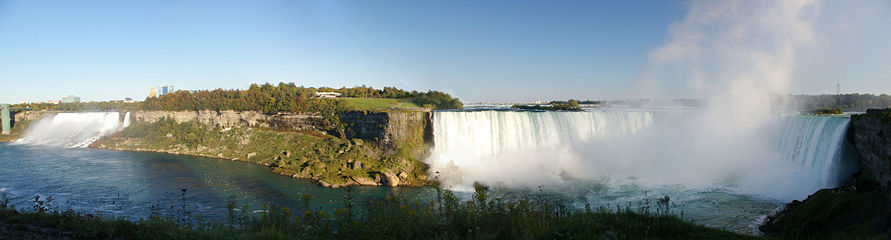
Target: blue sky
(476,50)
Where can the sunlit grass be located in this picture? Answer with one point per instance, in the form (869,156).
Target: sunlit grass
(361,104)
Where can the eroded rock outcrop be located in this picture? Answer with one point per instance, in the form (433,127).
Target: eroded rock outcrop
(227,119)
(871,135)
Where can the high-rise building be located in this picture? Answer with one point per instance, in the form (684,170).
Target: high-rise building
(152,92)
(165,89)
(70,99)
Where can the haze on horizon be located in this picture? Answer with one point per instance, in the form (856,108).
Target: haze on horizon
(477,51)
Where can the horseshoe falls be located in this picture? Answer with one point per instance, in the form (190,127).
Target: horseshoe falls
(615,157)
(74,130)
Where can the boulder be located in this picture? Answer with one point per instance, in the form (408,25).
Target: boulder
(324,184)
(250,155)
(391,179)
(364,181)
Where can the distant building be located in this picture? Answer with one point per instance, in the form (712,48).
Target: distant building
(152,92)
(71,99)
(165,89)
(54,101)
(327,94)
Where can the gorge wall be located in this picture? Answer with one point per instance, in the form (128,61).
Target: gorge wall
(389,130)
(871,135)
(377,148)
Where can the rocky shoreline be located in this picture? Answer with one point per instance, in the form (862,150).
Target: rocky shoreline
(379,149)
(385,179)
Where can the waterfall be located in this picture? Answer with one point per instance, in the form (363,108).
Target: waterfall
(814,142)
(786,158)
(74,130)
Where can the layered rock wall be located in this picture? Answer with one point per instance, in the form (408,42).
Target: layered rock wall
(410,130)
(871,135)
(226,119)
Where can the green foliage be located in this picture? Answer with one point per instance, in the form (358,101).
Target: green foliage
(364,104)
(828,111)
(299,154)
(846,102)
(438,100)
(444,217)
(571,105)
(266,98)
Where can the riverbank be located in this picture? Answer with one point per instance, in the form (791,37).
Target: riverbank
(379,148)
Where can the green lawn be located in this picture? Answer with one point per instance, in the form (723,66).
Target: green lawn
(377,103)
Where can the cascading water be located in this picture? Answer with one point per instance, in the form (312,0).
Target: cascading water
(614,157)
(815,143)
(788,158)
(74,130)
(493,145)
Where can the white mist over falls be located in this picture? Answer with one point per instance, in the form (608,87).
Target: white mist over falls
(788,157)
(74,130)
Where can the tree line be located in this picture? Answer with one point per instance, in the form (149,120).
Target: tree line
(847,102)
(267,98)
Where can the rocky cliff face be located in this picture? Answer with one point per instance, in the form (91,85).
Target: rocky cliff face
(30,115)
(227,119)
(380,148)
(409,131)
(871,135)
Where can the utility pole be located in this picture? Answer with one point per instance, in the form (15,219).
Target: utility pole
(838,95)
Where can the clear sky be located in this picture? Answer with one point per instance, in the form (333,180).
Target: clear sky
(476,50)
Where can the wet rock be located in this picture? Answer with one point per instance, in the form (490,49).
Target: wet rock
(364,181)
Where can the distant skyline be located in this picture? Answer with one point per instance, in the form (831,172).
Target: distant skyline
(479,51)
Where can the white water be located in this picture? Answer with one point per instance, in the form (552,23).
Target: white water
(74,130)
(787,158)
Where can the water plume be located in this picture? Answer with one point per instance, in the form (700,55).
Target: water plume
(732,54)
(74,130)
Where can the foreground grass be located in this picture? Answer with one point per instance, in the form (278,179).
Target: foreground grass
(446,217)
(364,104)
